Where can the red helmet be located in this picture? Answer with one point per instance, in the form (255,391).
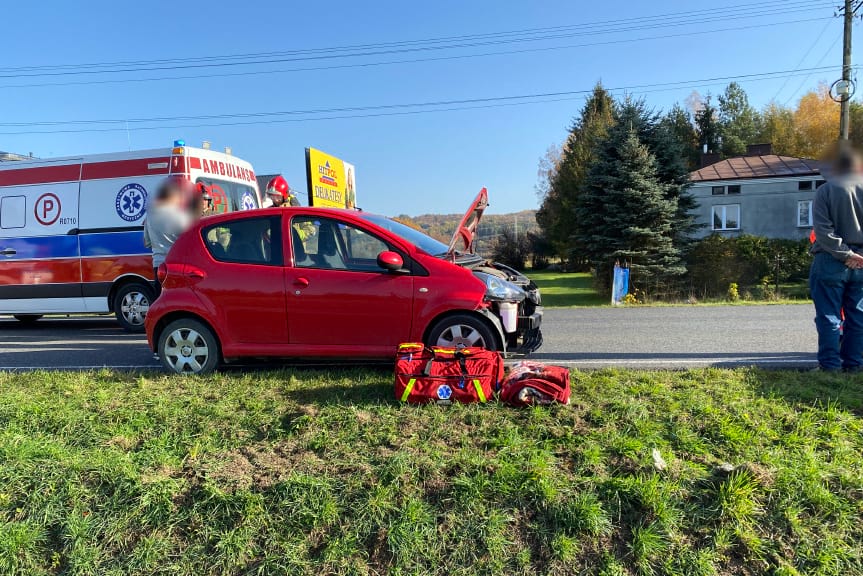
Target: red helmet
(203,191)
(278,186)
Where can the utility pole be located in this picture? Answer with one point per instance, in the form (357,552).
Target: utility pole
(845,115)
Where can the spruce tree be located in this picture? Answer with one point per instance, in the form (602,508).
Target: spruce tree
(670,151)
(626,213)
(707,126)
(556,215)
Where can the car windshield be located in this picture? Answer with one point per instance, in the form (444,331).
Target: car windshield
(415,237)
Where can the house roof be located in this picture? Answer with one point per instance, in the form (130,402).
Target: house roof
(769,166)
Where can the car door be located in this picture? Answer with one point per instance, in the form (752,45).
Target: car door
(244,280)
(339,299)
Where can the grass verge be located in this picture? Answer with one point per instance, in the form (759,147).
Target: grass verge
(321,472)
(576,290)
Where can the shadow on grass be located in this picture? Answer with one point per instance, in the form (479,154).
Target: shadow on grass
(845,391)
(381,391)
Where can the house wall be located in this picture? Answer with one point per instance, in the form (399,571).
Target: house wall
(768,206)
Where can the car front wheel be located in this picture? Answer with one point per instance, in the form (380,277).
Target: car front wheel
(462,331)
(187,346)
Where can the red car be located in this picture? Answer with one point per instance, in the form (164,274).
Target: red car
(324,283)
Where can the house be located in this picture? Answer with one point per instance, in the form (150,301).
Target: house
(762,194)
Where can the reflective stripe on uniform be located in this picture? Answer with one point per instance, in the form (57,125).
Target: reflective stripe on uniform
(479,391)
(408,389)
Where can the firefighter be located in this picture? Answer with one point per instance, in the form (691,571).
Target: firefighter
(279,193)
(202,201)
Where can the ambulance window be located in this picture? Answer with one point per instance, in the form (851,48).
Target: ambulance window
(13,212)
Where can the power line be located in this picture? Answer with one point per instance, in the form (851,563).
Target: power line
(806,78)
(380,110)
(805,56)
(670,19)
(412,61)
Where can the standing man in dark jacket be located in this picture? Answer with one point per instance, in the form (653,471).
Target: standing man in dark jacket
(836,277)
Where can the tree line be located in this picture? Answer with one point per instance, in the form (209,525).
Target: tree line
(617,189)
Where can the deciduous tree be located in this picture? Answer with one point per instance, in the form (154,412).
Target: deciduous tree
(739,122)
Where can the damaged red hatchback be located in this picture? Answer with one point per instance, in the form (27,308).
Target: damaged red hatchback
(317,283)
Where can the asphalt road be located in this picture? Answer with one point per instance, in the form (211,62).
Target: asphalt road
(665,337)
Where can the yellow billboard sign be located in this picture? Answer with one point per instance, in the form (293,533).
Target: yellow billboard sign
(331,181)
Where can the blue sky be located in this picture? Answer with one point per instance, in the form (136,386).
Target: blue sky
(432,162)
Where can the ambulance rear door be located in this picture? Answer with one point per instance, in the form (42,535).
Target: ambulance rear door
(40,264)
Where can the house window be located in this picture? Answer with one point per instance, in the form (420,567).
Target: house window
(734,189)
(804,213)
(804,185)
(820,182)
(726,217)
(718,190)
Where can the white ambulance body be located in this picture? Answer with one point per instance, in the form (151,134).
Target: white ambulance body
(71,229)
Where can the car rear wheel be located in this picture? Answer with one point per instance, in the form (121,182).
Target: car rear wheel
(27,318)
(462,331)
(131,304)
(187,346)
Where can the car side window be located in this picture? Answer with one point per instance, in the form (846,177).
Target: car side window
(245,241)
(330,244)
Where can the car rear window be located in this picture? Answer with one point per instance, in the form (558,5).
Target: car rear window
(245,241)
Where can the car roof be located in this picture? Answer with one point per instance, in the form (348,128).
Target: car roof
(275,211)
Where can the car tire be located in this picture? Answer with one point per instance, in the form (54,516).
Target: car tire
(462,331)
(131,303)
(187,346)
(27,318)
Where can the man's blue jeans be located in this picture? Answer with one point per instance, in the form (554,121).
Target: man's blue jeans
(835,288)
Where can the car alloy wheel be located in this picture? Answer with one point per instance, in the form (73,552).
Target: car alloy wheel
(188,346)
(186,351)
(462,331)
(461,336)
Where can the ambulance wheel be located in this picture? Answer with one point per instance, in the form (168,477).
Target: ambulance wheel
(131,303)
(187,346)
(462,331)
(27,318)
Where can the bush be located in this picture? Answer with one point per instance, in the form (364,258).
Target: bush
(716,262)
(511,250)
(733,294)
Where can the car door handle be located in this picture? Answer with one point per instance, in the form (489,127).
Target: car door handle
(8,251)
(195,273)
(301,281)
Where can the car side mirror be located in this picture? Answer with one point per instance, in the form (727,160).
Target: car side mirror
(391,261)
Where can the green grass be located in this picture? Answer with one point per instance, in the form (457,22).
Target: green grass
(575,289)
(321,472)
(566,289)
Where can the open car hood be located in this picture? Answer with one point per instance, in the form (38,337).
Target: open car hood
(465,234)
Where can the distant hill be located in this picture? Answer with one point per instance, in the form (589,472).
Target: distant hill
(442,226)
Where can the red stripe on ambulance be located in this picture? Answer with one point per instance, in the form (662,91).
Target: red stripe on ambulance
(67,173)
(109,268)
(124,168)
(35,272)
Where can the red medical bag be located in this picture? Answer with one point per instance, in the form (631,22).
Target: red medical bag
(446,375)
(529,383)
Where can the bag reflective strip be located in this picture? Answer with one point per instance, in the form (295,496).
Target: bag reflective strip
(408,389)
(479,392)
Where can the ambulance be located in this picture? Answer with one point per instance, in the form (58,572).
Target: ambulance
(71,229)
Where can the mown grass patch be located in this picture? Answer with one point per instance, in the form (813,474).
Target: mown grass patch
(321,472)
